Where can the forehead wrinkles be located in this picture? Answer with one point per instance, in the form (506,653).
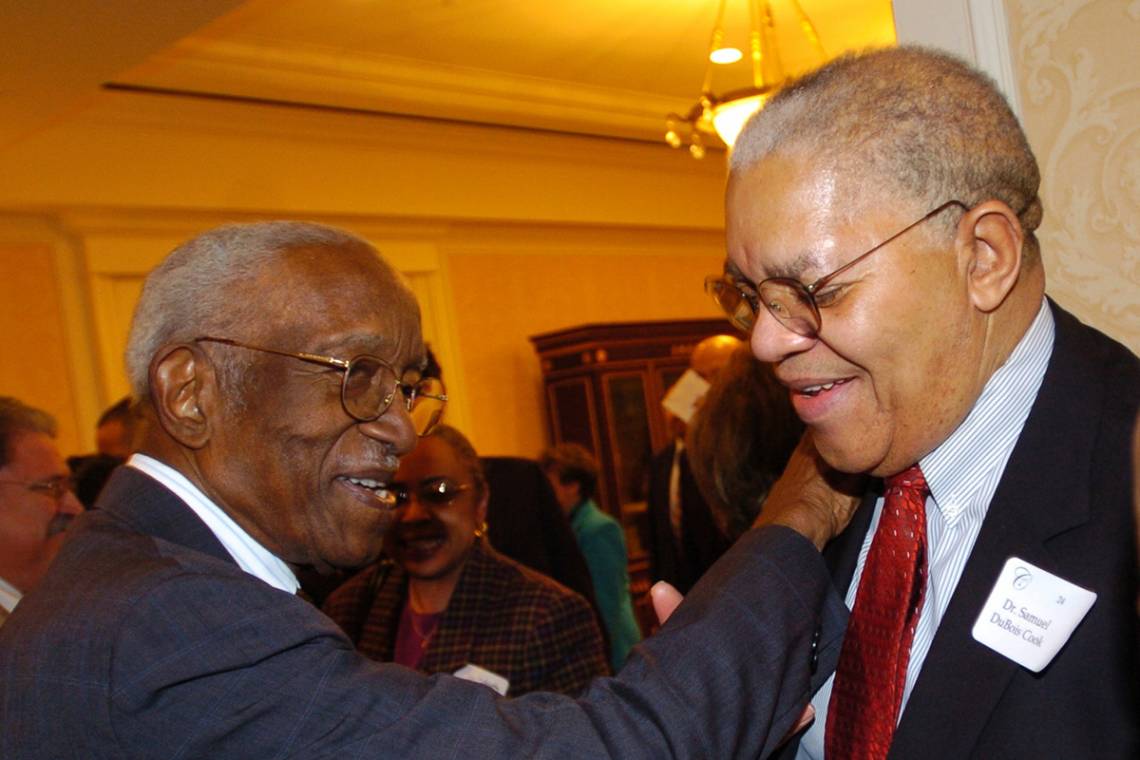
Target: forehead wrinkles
(341,297)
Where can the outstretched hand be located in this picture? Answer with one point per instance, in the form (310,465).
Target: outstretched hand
(811,497)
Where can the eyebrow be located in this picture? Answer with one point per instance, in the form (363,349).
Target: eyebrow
(791,270)
(733,273)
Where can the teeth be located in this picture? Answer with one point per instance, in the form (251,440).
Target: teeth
(377,487)
(813,390)
(367,482)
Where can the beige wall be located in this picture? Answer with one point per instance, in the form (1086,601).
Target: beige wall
(502,234)
(34,360)
(1078,76)
(509,287)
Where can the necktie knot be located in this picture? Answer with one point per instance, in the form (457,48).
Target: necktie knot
(910,479)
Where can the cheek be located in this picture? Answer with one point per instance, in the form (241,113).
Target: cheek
(460,530)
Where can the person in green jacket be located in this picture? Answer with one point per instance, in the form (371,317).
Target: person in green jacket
(573,474)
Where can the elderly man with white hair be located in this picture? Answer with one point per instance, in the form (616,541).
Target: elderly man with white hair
(277,367)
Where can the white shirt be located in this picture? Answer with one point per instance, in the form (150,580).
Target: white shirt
(250,556)
(9,595)
(963,474)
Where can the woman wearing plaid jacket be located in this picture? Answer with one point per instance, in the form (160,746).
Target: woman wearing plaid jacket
(447,602)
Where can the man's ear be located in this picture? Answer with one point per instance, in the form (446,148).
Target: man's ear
(991,237)
(182,386)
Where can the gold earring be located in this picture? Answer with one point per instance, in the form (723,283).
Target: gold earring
(481,530)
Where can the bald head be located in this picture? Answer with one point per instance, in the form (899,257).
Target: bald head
(905,126)
(712,355)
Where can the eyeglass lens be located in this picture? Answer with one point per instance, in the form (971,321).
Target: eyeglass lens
(740,308)
(370,387)
(436,491)
(790,303)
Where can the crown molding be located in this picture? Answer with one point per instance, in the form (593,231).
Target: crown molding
(382,84)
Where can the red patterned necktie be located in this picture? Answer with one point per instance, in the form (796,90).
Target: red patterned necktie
(869,680)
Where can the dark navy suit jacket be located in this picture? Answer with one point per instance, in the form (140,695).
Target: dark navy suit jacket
(145,640)
(1064,503)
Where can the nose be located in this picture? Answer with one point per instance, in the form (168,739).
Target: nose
(69,504)
(771,342)
(413,509)
(394,427)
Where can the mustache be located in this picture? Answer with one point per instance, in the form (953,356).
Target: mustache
(59,523)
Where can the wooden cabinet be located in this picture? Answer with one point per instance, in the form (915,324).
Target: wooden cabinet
(604,384)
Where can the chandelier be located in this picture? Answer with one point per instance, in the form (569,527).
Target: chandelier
(724,115)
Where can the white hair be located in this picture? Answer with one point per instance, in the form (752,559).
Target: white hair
(190,294)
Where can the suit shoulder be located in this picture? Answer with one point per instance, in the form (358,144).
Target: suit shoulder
(511,580)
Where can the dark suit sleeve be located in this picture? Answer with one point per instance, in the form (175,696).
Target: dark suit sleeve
(221,667)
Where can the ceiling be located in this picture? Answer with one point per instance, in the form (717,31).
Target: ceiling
(601,67)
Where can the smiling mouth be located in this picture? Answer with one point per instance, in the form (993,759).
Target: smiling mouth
(815,390)
(378,489)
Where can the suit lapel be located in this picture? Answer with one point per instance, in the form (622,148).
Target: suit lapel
(1041,494)
(150,508)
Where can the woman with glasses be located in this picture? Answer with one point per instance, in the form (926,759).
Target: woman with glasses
(444,601)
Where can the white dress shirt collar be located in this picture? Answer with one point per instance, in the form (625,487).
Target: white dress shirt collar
(9,595)
(975,454)
(250,556)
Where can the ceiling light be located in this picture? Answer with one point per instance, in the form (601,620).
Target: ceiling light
(724,115)
(725,55)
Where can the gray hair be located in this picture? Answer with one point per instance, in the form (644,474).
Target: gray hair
(189,295)
(17,417)
(923,123)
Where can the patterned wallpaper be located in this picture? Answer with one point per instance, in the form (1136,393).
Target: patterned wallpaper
(1078,70)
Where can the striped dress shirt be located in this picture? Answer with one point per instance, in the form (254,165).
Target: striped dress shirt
(963,474)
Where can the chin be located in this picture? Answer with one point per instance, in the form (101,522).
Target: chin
(847,457)
(350,557)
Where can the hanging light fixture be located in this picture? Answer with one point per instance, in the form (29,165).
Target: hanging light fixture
(724,115)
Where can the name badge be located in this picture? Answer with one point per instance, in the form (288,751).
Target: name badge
(1030,614)
(486,677)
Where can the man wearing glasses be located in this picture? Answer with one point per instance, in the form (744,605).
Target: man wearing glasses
(278,368)
(36,500)
(882,255)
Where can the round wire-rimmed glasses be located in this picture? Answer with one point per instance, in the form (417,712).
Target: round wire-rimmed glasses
(794,304)
(369,385)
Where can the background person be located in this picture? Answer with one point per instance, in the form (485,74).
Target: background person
(446,600)
(114,441)
(115,430)
(36,501)
(573,475)
(684,538)
(740,439)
